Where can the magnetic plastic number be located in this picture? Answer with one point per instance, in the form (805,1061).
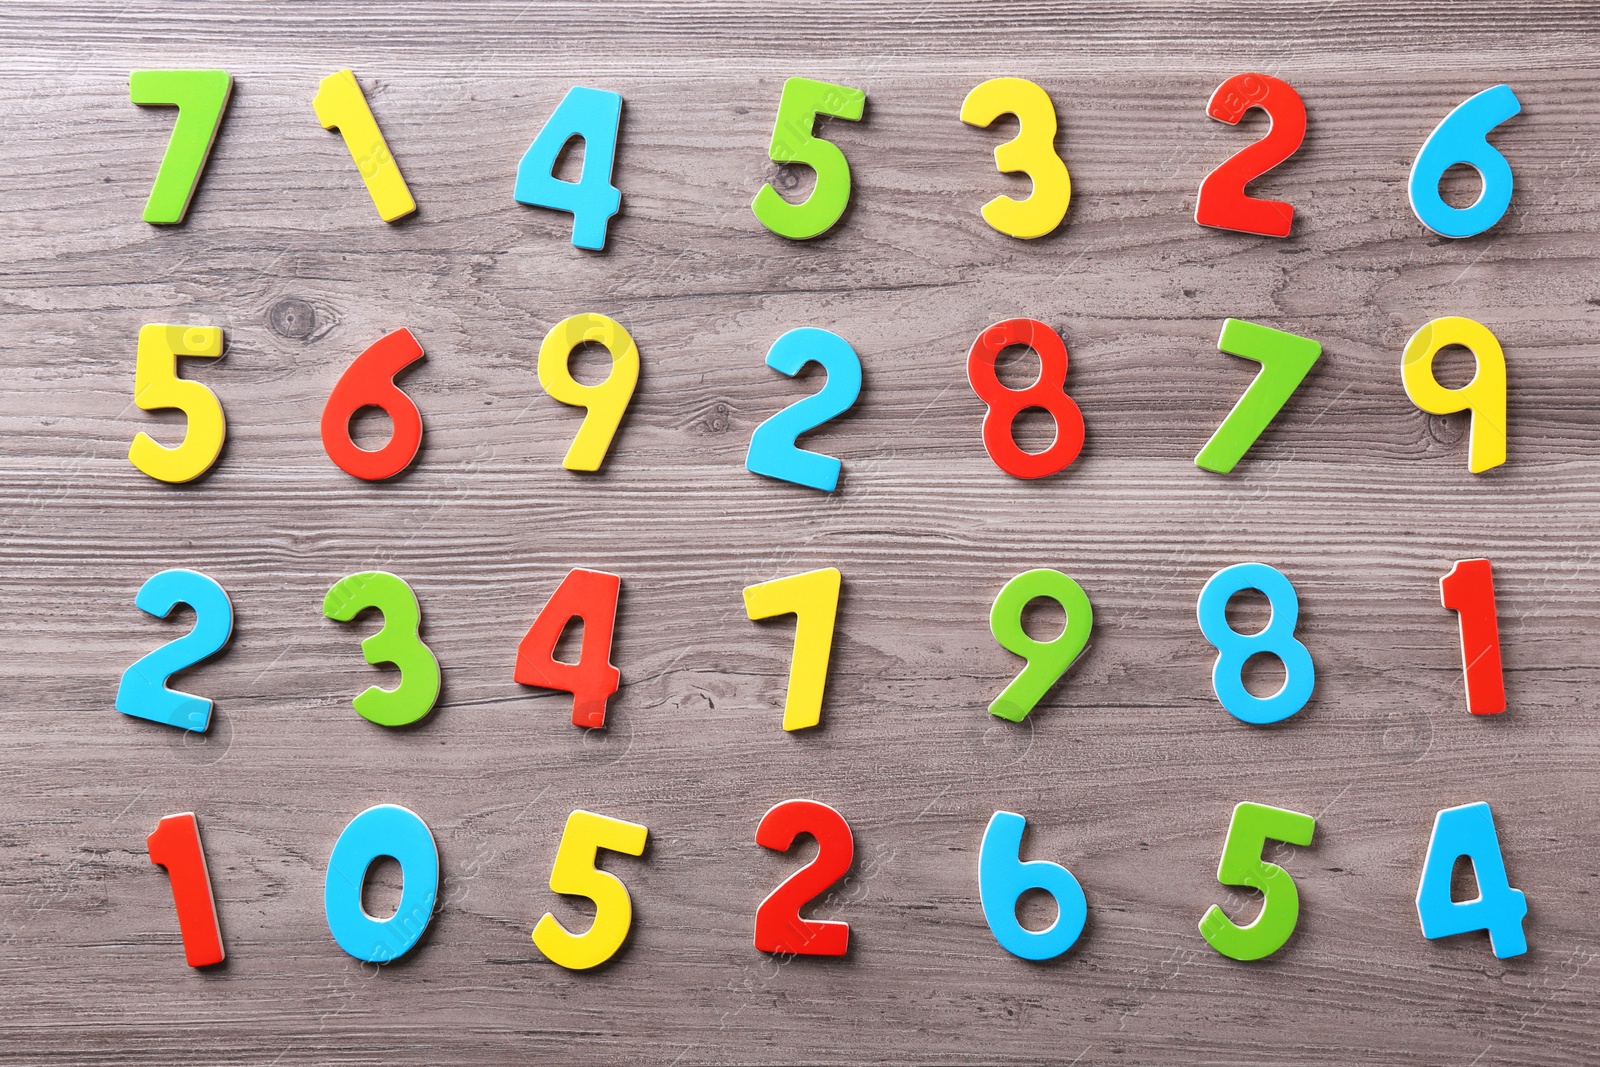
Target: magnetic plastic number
(1048,393)
(1463,137)
(1047,660)
(156,386)
(175,845)
(1469,831)
(1248,832)
(575,874)
(1469,590)
(592,597)
(399,643)
(201,97)
(341,103)
(1285,360)
(1223,202)
(605,402)
(594,115)
(383,830)
(813,599)
(1276,639)
(1032,152)
(793,141)
(779,927)
(143,692)
(369,383)
(1003,876)
(773,451)
(1485,395)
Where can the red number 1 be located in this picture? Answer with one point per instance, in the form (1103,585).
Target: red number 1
(1469,589)
(175,845)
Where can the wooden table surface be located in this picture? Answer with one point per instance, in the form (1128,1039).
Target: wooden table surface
(1127,772)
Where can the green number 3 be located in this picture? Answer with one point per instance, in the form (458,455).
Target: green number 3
(794,142)
(398,643)
(1252,826)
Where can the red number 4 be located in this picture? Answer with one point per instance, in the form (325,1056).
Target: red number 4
(590,596)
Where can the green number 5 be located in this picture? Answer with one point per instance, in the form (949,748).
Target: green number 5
(1252,826)
(1285,361)
(399,643)
(793,142)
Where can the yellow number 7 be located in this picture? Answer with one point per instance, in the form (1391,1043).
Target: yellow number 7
(156,385)
(1485,395)
(813,598)
(607,401)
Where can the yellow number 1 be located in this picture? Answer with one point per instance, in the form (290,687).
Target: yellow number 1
(1032,152)
(340,102)
(1485,395)
(156,385)
(813,598)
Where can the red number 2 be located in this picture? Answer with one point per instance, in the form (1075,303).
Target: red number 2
(592,597)
(175,845)
(1469,589)
(369,383)
(1223,202)
(779,927)
(1048,393)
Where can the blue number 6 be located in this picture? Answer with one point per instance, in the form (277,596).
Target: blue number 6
(773,451)
(1277,639)
(1463,138)
(1003,877)
(143,692)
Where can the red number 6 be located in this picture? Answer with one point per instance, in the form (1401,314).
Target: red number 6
(369,383)
(1048,393)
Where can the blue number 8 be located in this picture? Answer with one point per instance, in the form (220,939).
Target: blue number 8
(1277,639)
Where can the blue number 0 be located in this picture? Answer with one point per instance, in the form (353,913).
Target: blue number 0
(773,451)
(143,692)
(1463,138)
(383,830)
(1277,639)
(592,114)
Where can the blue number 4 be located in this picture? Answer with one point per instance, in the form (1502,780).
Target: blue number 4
(592,114)
(144,692)
(1469,831)
(773,451)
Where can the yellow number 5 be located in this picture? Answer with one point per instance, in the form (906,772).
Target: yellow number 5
(156,385)
(1485,395)
(575,874)
(1032,152)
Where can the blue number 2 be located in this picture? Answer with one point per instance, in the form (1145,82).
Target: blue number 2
(773,451)
(143,692)
(1463,138)
(1277,639)
(592,114)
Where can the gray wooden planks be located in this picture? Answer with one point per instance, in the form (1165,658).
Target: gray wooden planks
(1127,773)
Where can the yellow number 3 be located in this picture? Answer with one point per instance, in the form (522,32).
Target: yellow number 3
(1032,152)
(1485,395)
(156,385)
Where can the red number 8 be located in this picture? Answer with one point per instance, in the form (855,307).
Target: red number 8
(1048,394)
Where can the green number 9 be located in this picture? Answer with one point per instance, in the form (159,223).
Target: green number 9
(1047,660)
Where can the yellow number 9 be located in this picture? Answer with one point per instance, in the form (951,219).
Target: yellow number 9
(1032,152)
(605,402)
(1485,395)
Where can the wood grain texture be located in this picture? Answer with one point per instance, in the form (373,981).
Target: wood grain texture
(1129,770)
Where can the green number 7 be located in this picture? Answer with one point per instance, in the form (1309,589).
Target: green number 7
(201,96)
(794,142)
(1285,360)
(1242,864)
